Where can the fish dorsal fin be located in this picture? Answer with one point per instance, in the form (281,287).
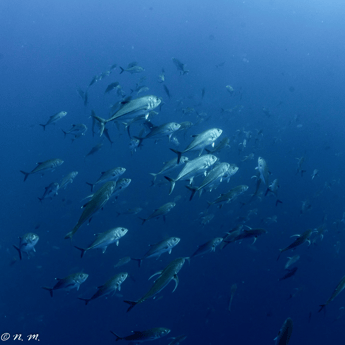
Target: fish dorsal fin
(176,282)
(159,272)
(194,135)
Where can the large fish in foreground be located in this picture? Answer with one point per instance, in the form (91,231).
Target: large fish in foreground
(339,288)
(141,336)
(165,277)
(284,334)
(43,167)
(200,141)
(70,282)
(131,109)
(97,202)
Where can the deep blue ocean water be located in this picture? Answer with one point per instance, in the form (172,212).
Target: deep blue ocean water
(285,56)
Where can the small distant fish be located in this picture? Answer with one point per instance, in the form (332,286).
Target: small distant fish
(77,130)
(170,165)
(94,80)
(292,260)
(109,175)
(273,188)
(50,191)
(111,286)
(166,91)
(177,340)
(95,149)
(299,166)
(130,211)
(284,334)
(208,247)
(180,66)
(291,272)
(69,178)
(132,70)
(27,244)
(203,93)
(230,89)
(111,87)
(262,168)
(141,336)
(161,77)
(315,173)
(43,167)
(220,64)
(123,261)
(232,294)
(160,212)
(68,283)
(54,118)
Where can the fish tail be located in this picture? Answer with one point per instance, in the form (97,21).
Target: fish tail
(121,70)
(40,199)
(86,300)
(49,289)
(101,121)
(117,337)
(19,252)
(26,174)
(44,127)
(82,252)
(172,184)
(208,151)
(278,202)
(139,261)
(91,185)
(267,190)
(209,204)
(132,305)
(143,219)
(154,177)
(303,171)
(322,307)
(193,190)
(71,233)
(64,133)
(179,154)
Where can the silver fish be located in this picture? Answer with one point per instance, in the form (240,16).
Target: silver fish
(50,191)
(77,130)
(192,168)
(123,261)
(132,70)
(156,250)
(180,66)
(208,247)
(292,260)
(97,202)
(27,244)
(141,336)
(165,277)
(56,117)
(161,211)
(170,165)
(68,283)
(111,286)
(215,174)
(161,131)
(263,170)
(69,178)
(109,175)
(339,288)
(200,141)
(104,239)
(43,167)
(229,196)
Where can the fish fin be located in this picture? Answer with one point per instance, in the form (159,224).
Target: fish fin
(172,183)
(49,289)
(86,300)
(117,242)
(122,70)
(105,248)
(176,282)
(72,232)
(179,154)
(278,202)
(193,190)
(280,252)
(139,261)
(26,174)
(200,153)
(170,251)
(91,185)
(19,252)
(143,219)
(44,127)
(159,272)
(297,235)
(323,306)
(117,337)
(82,251)
(64,133)
(132,305)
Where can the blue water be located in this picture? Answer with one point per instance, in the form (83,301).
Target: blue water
(286,56)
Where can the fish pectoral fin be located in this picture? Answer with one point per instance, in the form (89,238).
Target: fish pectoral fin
(170,251)
(176,281)
(159,272)
(254,240)
(297,235)
(104,249)
(117,242)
